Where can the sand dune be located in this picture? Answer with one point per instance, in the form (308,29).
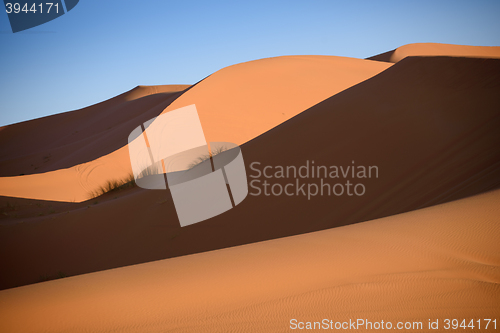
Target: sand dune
(71,138)
(436,49)
(235,104)
(240,102)
(430,125)
(436,263)
(47,153)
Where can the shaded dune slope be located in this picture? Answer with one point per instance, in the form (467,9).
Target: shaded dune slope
(439,262)
(235,104)
(437,49)
(67,139)
(429,124)
(240,102)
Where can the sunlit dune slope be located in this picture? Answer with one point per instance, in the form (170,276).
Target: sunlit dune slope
(71,138)
(235,104)
(436,263)
(430,126)
(240,102)
(436,49)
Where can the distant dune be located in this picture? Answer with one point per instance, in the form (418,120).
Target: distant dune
(430,125)
(67,139)
(436,49)
(436,263)
(235,104)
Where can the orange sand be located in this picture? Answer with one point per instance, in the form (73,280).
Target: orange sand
(235,104)
(436,263)
(436,49)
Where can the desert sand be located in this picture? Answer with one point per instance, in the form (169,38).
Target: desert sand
(235,105)
(67,139)
(431,141)
(435,263)
(437,49)
(420,244)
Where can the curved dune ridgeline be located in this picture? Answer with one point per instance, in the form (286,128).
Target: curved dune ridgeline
(235,104)
(429,124)
(67,139)
(437,49)
(435,263)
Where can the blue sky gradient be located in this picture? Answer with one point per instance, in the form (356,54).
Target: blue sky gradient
(103,48)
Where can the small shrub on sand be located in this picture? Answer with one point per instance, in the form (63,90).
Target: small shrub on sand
(151,170)
(205,157)
(113,185)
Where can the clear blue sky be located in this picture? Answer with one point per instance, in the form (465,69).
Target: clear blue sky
(102,48)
